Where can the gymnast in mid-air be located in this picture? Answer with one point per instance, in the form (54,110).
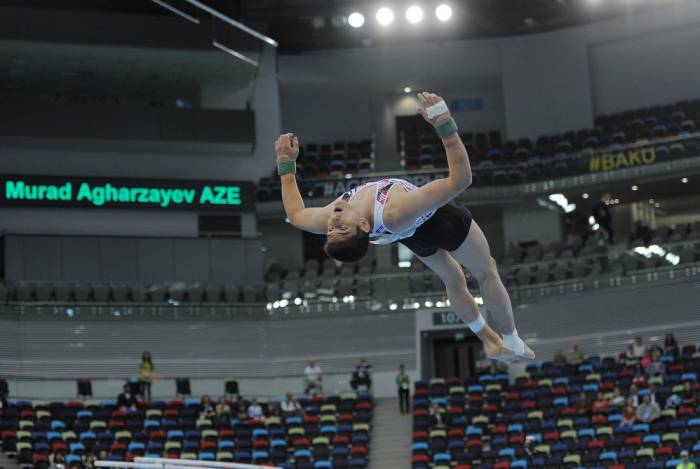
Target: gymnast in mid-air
(439,231)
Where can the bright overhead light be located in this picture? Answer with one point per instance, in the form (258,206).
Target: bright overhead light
(385,16)
(414,14)
(356,20)
(585,195)
(407,89)
(443,12)
(684,180)
(634,188)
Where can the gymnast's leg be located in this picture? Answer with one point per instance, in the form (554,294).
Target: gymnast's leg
(475,255)
(462,302)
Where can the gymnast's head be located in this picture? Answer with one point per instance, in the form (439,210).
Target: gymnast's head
(347,238)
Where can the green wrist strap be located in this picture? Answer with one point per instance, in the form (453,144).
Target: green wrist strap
(286,167)
(446,128)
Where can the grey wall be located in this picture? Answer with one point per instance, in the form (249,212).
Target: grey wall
(532,85)
(152,260)
(530,222)
(283,243)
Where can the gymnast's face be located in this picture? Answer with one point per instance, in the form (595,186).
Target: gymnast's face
(344,221)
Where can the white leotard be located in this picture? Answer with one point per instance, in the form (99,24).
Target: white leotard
(380,234)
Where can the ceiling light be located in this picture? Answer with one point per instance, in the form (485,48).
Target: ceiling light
(407,89)
(385,16)
(356,20)
(634,188)
(684,180)
(585,195)
(443,12)
(414,14)
(318,22)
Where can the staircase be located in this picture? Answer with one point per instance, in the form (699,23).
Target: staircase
(391,436)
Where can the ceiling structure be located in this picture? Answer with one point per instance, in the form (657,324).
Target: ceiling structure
(304,25)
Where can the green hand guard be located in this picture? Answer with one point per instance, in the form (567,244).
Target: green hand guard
(446,128)
(286,167)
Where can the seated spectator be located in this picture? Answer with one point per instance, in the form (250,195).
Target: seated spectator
(617,400)
(582,406)
(222,409)
(102,455)
(273,410)
(126,401)
(88,461)
(255,411)
(634,394)
(575,356)
(559,359)
(437,416)
(670,345)
(600,405)
(289,406)
(656,397)
(636,349)
(686,463)
(655,366)
(629,414)
(241,412)
(689,396)
(647,411)
(362,376)
(312,378)
(57,460)
(207,411)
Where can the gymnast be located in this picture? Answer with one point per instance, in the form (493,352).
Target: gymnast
(439,231)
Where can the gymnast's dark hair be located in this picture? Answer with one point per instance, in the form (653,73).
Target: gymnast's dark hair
(351,249)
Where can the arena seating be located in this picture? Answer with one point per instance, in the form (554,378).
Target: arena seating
(423,150)
(520,267)
(488,420)
(333,433)
(495,162)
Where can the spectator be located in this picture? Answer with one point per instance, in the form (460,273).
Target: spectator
(648,411)
(602,216)
(656,397)
(686,463)
(582,406)
(312,378)
(403,384)
(617,400)
(88,461)
(689,395)
(437,416)
(273,410)
(670,345)
(58,461)
(655,366)
(255,411)
(636,349)
(222,408)
(102,455)
(575,356)
(600,405)
(241,412)
(629,414)
(559,359)
(362,376)
(126,401)
(289,406)
(634,394)
(3,403)
(146,376)
(207,411)
(640,377)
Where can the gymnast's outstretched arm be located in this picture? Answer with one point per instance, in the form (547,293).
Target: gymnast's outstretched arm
(437,193)
(311,219)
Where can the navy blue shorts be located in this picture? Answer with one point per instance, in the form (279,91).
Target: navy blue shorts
(447,230)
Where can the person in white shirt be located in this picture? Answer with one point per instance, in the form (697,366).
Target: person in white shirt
(312,378)
(289,406)
(255,411)
(636,350)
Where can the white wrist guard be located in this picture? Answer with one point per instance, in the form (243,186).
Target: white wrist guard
(436,109)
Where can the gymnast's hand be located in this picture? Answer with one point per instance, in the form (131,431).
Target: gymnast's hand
(287,147)
(426,100)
